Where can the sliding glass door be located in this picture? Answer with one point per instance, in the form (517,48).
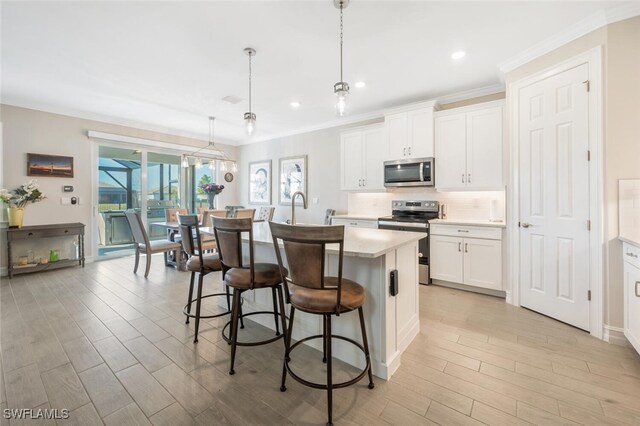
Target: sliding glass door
(162,189)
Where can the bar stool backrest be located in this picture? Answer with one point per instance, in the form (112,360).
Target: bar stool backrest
(190,233)
(171,214)
(228,234)
(305,249)
(137,228)
(206,216)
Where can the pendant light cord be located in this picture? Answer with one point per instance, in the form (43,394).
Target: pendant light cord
(250,55)
(341,28)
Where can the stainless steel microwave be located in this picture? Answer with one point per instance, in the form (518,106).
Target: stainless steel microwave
(413,172)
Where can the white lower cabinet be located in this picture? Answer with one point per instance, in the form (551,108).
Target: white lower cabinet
(360,223)
(473,260)
(631,256)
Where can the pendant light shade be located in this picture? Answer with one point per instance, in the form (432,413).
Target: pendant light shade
(341,88)
(250,117)
(185,162)
(198,163)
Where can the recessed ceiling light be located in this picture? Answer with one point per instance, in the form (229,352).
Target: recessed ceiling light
(458,55)
(360,84)
(295,104)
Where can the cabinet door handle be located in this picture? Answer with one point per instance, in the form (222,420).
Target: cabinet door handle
(632,254)
(364,182)
(409,150)
(404,151)
(463,230)
(459,246)
(469,178)
(359,182)
(463,178)
(466,247)
(637,288)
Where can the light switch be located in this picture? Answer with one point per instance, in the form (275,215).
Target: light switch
(65,201)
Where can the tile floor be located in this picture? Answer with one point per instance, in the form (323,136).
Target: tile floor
(112,348)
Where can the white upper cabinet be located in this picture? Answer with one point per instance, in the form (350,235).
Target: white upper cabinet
(468,147)
(362,152)
(409,132)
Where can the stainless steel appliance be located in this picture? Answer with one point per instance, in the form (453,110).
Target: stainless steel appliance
(415,172)
(414,216)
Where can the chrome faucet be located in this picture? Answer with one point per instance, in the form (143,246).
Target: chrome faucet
(293,205)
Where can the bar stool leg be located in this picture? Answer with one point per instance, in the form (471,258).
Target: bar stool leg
(287,346)
(198,303)
(329,372)
(365,343)
(235,313)
(228,297)
(283,317)
(189,296)
(324,341)
(275,310)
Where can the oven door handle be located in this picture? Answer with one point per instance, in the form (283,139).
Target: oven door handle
(405,224)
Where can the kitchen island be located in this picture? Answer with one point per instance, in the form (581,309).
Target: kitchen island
(369,257)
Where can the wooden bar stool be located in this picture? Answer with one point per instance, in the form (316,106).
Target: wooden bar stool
(242,277)
(201,264)
(309,290)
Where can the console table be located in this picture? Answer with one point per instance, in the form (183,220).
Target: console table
(36,234)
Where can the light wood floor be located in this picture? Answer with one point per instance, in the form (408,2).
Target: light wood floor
(112,347)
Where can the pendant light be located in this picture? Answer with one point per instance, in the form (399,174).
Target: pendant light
(341,88)
(198,155)
(250,117)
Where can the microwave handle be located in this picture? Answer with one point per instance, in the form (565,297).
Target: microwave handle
(421,172)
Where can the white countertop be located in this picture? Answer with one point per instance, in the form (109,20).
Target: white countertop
(358,242)
(630,239)
(468,222)
(355,216)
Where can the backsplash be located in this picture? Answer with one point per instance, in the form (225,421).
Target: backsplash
(460,205)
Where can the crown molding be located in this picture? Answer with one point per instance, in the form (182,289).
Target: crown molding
(581,28)
(470,94)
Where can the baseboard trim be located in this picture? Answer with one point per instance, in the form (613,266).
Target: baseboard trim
(614,335)
(486,291)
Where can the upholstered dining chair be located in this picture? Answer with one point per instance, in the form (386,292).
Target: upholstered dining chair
(207,214)
(171,214)
(244,213)
(143,245)
(265,214)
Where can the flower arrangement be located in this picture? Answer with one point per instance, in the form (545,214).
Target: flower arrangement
(22,195)
(211,188)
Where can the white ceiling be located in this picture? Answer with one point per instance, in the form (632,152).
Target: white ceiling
(167,65)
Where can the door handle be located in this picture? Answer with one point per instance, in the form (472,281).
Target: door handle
(459,246)
(637,287)
(466,247)
(526,225)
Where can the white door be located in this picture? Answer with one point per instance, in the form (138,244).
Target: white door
(352,175)
(483,263)
(396,128)
(632,305)
(451,170)
(484,149)
(420,133)
(554,197)
(446,258)
(374,156)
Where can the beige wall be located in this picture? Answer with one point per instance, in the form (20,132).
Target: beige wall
(26,130)
(621,93)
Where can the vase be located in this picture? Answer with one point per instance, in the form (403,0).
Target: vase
(210,199)
(16,214)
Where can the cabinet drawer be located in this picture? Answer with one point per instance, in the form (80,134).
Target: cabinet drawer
(631,254)
(361,223)
(466,231)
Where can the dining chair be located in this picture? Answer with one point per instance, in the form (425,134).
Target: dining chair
(143,245)
(201,264)
(309,290)
(170,214)
(265,214)
(207,214)
(242,276)
(244,213)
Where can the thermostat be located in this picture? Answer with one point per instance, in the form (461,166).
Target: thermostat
(67,188)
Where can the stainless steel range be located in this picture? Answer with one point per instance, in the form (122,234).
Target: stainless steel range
(413,216)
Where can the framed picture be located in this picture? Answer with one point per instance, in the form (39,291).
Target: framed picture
(293,177)
(260,182)
(49,165)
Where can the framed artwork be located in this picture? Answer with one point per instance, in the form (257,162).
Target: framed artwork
(49,165)
(260,182)
(293,177)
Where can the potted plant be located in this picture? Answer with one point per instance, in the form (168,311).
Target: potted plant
(18,199)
